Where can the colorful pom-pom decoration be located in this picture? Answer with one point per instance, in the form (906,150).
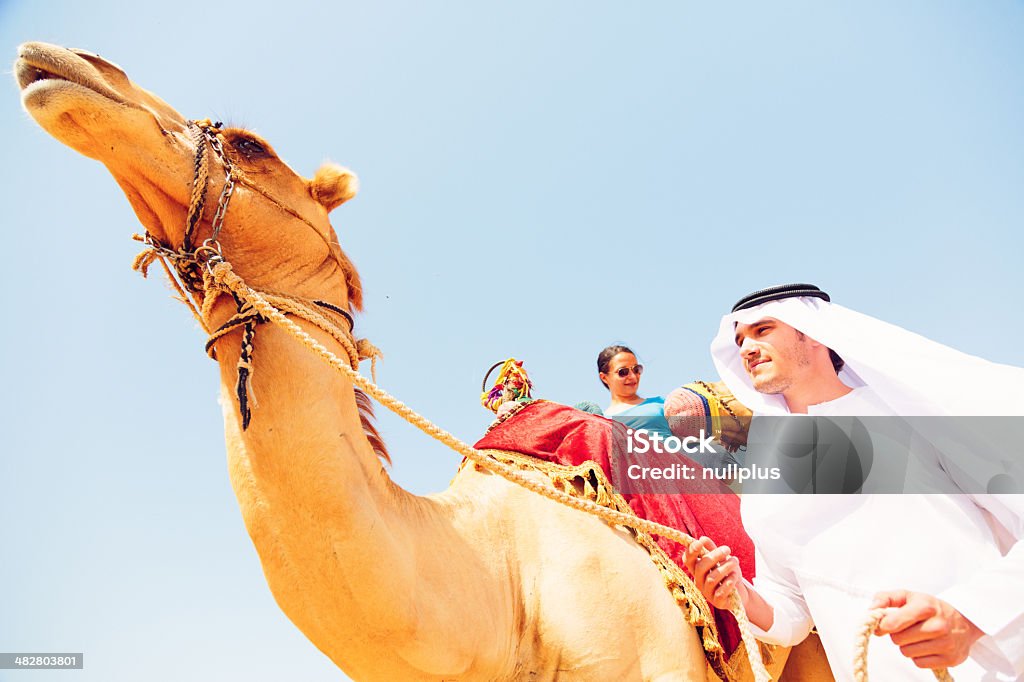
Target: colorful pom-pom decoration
(511,385)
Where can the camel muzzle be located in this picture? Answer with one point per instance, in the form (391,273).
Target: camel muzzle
(41,65)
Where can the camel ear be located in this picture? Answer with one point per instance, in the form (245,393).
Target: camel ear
(333,185)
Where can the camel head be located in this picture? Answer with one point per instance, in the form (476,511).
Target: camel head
(276,232)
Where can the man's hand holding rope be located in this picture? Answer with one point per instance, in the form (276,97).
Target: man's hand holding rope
(926,629)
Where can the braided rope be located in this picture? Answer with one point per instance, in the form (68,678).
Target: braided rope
(860,650)
(244,367)
(293,306)
(222,274)
(201,173)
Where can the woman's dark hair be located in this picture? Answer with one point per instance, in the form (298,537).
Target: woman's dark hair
(604,358)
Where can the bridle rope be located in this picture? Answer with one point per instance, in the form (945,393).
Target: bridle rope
(204,269)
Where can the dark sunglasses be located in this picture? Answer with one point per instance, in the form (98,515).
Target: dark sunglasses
(623,372)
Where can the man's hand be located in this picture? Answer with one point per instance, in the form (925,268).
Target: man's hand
(715,571)
(926,629)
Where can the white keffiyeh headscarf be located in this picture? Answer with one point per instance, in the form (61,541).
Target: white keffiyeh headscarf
(913,375)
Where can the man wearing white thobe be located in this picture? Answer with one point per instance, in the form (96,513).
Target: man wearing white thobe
(825,561)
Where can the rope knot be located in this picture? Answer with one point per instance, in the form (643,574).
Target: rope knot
(367,351)
(222,273)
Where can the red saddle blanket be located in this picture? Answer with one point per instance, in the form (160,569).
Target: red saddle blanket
(564,435)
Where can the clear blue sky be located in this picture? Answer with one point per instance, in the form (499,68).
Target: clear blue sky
(540,180)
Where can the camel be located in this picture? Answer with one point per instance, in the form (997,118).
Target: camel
(484,581)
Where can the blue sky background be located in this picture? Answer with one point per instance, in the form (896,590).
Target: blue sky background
(539,180)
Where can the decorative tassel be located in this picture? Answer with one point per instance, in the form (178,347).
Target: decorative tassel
(244,371)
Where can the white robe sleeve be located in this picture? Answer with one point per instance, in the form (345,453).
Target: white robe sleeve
(777,584)
(993,598)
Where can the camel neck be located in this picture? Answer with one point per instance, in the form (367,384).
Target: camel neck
(340,544)
(305,437)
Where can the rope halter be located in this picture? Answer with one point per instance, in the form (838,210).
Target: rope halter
(199,273)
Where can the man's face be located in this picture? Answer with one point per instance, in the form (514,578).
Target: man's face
(774,354)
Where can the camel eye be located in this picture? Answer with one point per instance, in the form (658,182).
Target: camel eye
(249,146)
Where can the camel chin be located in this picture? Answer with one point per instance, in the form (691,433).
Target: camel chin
(70,113)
